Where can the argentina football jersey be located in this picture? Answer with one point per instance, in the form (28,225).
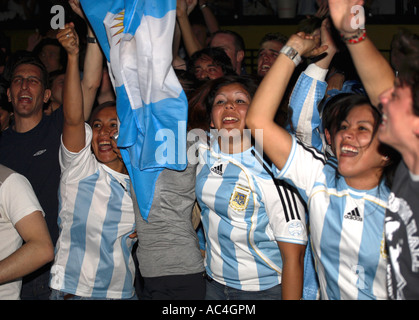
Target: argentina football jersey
(347,226)
(93,252)
(244,214)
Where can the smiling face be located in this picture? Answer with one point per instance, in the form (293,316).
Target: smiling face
(229,110)
(104,125)
(356,148)
(27,93)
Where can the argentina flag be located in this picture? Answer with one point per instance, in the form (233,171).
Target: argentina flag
(136,37)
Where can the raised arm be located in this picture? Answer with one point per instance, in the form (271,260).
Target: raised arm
(308,93)
(277,142)
(209,17)
(73,126)
(374,70)
(183,8)
(92,68)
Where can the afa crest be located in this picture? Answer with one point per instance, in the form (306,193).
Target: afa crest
(239,199)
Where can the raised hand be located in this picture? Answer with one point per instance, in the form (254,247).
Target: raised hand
(76,7)
(305,44)
(191,4)
(185,7)
(69,39)
(343,14)
(327,40)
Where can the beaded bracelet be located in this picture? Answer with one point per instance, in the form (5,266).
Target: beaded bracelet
(357,38)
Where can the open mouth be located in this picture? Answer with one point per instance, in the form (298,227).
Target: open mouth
(105,146)
(348,151)
(384,118)
(25,98)
(265,68)
(227,120)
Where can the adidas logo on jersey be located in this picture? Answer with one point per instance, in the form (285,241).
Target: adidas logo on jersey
(218,169)
(353,215)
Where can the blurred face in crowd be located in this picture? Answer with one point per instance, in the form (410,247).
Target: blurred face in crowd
(205,68)
(226,42)
(399,125)
(268,53)
(4,119)
(50,57)
(57,89)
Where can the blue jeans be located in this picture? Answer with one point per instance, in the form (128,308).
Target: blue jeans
(59,295)
(218,291)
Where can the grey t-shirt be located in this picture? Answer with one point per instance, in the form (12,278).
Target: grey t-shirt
(167,242)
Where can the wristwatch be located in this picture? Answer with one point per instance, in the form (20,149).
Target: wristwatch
(91,39)
(292,54)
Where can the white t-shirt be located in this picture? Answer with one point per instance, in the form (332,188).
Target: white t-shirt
(17,200)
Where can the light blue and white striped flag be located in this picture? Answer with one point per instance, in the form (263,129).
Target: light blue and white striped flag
(136,37)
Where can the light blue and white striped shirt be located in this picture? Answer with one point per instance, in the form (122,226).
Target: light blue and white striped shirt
(93,251)
(244,212)
(347,226)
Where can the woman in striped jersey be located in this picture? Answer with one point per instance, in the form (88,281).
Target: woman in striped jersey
(397,95)
(246,214)
(346,196)
(93,252)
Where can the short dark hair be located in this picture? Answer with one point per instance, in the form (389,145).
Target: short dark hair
(52,42)
(32,60)
(309,25)
(54,75)
(238,40)
(405,59)
(274,36)
(100,107)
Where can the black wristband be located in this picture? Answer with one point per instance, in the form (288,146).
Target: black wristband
(91,39)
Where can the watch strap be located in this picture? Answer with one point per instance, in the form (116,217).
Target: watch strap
(292,54)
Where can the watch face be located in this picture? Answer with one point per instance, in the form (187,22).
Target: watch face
(292,54)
